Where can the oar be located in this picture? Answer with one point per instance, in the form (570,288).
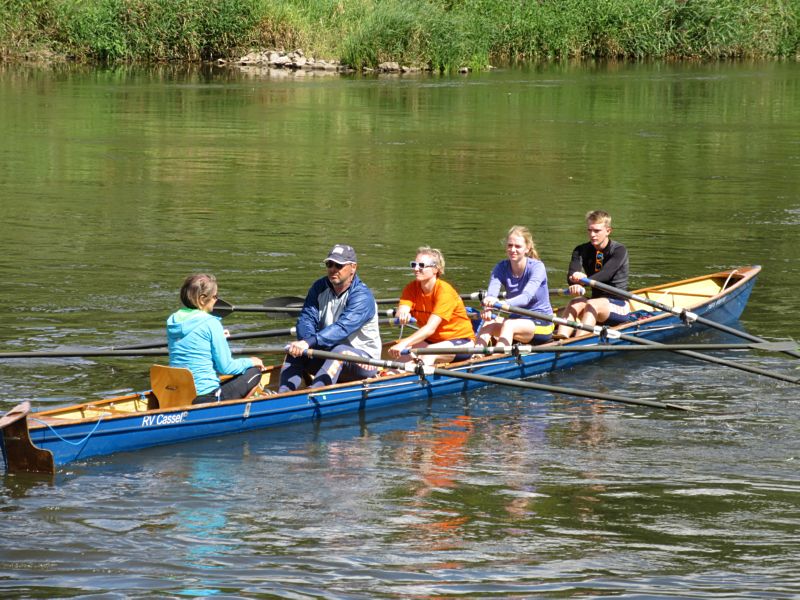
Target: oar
(287,331)
(83,353)
(137,350)
(479,295)
(470,296)
(684,314)
(428,370)
(146,352)
(614,334)
(284,301)
(152,349)
(528,349)
(223,309)
(297,301)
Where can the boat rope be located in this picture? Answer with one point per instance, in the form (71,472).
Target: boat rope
(65,440)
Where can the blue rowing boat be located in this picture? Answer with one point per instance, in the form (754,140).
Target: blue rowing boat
(42,441)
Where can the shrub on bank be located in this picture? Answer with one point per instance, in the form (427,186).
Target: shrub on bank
(152,30)
(438,34)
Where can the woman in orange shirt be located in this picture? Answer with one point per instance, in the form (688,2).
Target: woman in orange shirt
(437,307)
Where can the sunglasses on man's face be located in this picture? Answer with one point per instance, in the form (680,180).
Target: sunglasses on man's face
(421,265)
(333,265)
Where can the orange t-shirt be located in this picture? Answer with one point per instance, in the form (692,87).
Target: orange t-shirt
(444,302)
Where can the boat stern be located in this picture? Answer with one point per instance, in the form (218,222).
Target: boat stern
(19,453)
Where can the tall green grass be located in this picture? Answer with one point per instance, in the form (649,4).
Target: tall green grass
(436,34)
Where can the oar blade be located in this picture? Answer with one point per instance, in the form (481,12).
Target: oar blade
(221,308)
(284,302)
(775,346)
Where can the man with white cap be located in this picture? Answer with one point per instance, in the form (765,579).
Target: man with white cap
(339,314)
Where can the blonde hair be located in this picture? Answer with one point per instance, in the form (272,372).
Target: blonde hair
(598,216)
(525,234)
(200,285)
(435,254)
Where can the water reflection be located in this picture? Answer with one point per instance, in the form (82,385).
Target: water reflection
(119,182)
(437,456)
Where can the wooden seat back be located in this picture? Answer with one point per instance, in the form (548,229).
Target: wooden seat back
(173,386)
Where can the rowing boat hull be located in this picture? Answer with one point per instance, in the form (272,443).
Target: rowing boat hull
(104,430)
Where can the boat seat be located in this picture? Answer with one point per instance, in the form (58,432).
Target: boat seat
(173,386)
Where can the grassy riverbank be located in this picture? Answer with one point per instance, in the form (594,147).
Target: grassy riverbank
(438,34)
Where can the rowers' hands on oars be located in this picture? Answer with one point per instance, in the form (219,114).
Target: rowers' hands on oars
(296,348)
(403,314)
(486,312)
(396,351)
(575,289)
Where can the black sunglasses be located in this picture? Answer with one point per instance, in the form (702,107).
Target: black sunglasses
(333,265)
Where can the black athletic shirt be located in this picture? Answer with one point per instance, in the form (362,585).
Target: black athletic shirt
(613,272)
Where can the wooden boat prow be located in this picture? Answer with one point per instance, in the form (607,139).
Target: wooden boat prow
(41,441)
(18,450)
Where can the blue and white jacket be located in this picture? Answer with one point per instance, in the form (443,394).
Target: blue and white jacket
(351,318)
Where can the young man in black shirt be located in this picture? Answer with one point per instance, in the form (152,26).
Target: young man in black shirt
(603,260)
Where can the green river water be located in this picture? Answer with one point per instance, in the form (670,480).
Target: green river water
(117,183)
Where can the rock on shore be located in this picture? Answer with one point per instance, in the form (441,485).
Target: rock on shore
(297,61)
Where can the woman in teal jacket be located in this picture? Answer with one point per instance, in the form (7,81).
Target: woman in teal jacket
(197,342)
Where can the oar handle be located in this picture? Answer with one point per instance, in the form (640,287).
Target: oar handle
(559,292)
(396,321)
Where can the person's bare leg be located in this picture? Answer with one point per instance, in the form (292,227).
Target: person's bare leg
(597,311)
(430,359)
(487,332)
(572,313)
(516,330)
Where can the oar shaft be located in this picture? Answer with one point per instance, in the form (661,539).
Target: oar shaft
(682,312)
(144,352)
(410,367)
(295,303)
(613,333)
(528,349)
(287,331)
(477,296)
(716,360)
(288,310)
(157,348)
(84,353)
